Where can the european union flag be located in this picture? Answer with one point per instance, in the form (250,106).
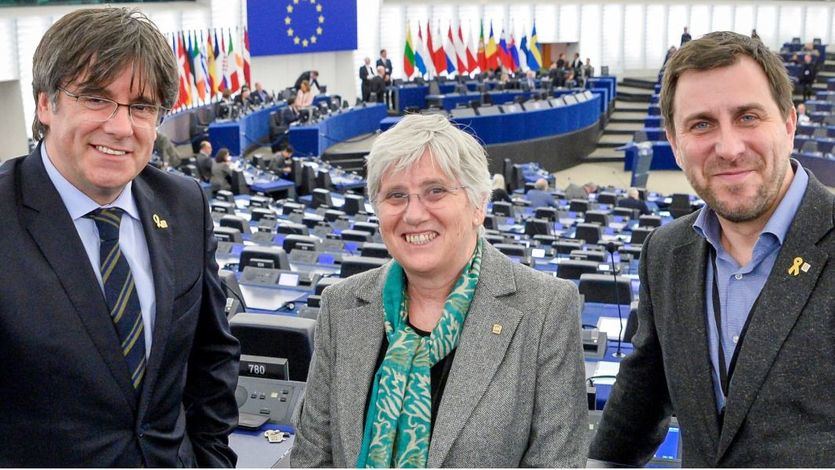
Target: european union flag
(301,26)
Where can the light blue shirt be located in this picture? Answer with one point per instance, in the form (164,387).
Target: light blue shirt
(131,239)
(739,286)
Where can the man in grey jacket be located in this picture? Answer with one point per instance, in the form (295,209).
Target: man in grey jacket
(736,307)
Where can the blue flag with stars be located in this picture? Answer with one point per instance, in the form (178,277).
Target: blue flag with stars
(301,26)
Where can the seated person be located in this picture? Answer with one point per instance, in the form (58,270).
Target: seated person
(633,201)
(281,162)
(290,113)
(242,99)
(539,195)
(304,97)
(221,171)
(223,108)
(802,117)
(572,191)
(204,161)
(166,151)
(499,192)
(260,95)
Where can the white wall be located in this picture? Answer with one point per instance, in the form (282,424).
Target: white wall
(12,122)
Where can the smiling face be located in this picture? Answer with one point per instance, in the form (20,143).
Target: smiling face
(731,140)
(98,158)
(429,242)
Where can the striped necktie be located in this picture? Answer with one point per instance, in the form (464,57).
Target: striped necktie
(120,293)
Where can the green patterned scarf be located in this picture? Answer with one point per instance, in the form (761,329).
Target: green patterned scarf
(398,423)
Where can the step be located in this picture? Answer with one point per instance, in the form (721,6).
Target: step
(614,140)
(633,97)
(646,84)
(628,128)
(629,105)
(628,116)
(604,154)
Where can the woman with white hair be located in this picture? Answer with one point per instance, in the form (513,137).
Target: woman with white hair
(499,189)
(450,354)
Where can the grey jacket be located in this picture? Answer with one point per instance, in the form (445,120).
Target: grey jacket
(780,411)
(516,398)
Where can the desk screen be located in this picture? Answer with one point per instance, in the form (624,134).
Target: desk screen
(668,450)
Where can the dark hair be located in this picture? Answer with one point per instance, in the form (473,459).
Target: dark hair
(723,49)
(222,155)
(95,45)
(289,149)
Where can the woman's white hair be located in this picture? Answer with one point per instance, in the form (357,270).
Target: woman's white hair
(458,155)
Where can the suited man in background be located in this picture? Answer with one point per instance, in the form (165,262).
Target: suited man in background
(312,77)
(203,161)
(736,304)
(259,95)
(290,113)
(385,62)
(115,345)
(366,74)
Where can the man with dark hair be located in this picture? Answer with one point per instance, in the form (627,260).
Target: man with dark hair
(685,37)
(808,73)
(312,77)
(116,350)
(385,62)
(736,303)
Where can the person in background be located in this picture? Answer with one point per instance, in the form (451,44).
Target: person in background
(450,355)
(562,63)
(685,37)
(588,70)
(539,196)
(385,62)
(378,85)
(802,117)
(736,303)
(221,171)
(242,99)
(499,189)
(572,191)
(260,95)
(754,34)
(283,161)
(633,201)
(204,161)
(223,108)
(304,97)
(166,151)
(114,342)
(808,74)
(366,74)
(311,77)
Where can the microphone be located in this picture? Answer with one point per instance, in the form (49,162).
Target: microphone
(611,248)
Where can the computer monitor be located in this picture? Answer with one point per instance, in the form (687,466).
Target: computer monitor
(358,264)
(503,208)
(292,242)
(269,257)
(228,234)
(277,336)
(538,227)
(510,249)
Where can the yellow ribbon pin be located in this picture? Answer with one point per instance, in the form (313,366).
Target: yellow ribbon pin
(160,223)
(794,270)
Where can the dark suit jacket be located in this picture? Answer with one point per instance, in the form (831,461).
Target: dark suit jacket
(288,115)
(386,64)
(634,204)
(67,400)
(378,88)
(780,410)
(305,76)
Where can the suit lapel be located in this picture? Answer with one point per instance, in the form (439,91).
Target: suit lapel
(477,345)
(357,348)
(688,330)
(48,222)
(160,251)
(776,313)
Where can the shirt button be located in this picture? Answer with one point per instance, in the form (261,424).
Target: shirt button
(736,339)
(738,276)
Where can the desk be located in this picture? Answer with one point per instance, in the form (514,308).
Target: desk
(248,131)
(452,100)
(313,139)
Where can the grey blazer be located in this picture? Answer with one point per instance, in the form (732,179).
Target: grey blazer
(516,398)
(780,411)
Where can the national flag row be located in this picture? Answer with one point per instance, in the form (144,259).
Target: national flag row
(450,55)
(209,62)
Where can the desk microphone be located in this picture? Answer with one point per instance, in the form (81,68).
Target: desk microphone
(611,248)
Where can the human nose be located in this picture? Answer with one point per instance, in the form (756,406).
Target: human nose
(730,143)
(120,123)
(415,212)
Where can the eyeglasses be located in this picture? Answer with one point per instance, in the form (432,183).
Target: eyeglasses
(146,116)
(431,197)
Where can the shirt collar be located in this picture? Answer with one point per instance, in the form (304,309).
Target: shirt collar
(707,224)
(79,204)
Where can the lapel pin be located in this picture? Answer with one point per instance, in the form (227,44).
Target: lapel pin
(160,223)
(497,329)
(798,265)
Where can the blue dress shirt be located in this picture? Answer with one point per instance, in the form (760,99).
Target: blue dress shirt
(739,286)
(132,240)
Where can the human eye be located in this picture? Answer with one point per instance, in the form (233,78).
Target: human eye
(95,102)
(396,197)
(144,110)
(748,118)
(435,193)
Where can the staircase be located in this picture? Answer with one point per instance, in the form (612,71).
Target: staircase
(630,110)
